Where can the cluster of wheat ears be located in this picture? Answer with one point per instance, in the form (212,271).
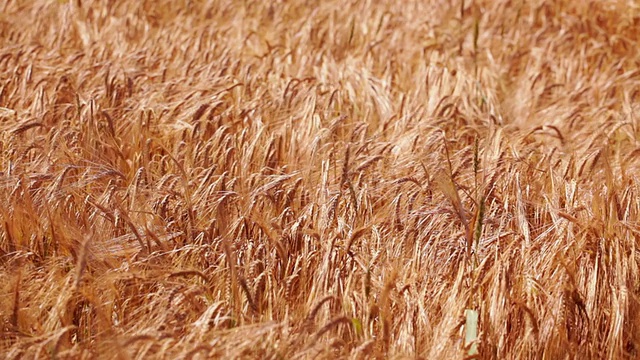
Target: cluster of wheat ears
(189,179)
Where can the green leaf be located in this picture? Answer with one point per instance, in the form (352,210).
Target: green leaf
(471,332)
(357,325)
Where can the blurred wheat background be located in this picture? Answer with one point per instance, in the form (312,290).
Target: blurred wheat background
(319,179)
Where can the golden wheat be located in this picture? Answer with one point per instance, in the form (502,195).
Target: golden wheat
(191,179)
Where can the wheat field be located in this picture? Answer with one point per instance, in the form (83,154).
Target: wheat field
(246,179)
